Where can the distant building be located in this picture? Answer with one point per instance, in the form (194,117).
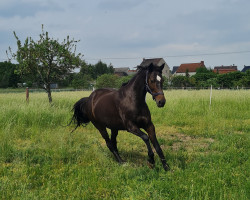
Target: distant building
(189,67)
(225,69)
(132,72)
(157,62)
(174,69)
(123,71)
(54,86)
(245,68)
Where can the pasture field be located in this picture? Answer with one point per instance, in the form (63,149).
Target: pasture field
(208,150)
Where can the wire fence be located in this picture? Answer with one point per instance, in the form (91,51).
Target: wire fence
(37,90)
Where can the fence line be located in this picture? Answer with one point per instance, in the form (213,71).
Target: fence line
(37,90)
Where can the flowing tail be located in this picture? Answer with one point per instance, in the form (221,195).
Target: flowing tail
(80,113)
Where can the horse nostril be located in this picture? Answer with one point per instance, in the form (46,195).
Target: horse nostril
(161,103)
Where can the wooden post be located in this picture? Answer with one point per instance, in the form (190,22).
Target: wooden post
(210,96)
(27,94)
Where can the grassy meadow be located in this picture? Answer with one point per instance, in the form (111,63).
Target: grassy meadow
(207,148)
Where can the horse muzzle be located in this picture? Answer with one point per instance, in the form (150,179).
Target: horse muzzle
(160,101)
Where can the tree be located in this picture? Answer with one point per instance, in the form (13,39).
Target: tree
(229,80)
(165,82)
(8,78)
(96,70)
(179,81)
(101,68)
(46,60)
(107,81)
(245,80)
(122,80)
(82,81)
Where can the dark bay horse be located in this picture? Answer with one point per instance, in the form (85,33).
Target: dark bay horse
(125,109)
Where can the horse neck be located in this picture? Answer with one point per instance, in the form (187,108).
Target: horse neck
(136,86)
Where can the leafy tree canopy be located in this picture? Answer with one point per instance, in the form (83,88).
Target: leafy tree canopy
(8,78)
(46,60)
(107,81)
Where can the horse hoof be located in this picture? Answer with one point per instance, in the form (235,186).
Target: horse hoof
(122,162)
(151,165)
(166,167)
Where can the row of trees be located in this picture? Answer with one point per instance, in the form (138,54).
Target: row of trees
(88,74)
(48,61)
(204,78)
(84,79)
(102,75)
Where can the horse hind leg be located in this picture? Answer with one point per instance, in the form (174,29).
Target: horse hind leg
(114,134)
(110,145)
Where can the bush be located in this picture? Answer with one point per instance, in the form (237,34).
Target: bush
(107,81)
(82,82)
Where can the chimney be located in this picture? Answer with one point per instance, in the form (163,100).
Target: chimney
(202,63)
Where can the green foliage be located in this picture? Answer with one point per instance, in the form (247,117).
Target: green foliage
(165,83)
(244,81)
(47,60)
(88,73)
(228,80)
(183,81)
(96,70)
(107,81)
(101,68)
(82,81)
(204,78)
(122,80)
(8,77)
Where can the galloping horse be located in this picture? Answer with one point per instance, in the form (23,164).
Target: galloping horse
(125,109)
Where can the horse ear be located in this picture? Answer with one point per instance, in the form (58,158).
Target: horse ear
(161,67)
(150,67)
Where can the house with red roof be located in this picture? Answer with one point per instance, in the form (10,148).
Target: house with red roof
(225,69)
(189,68)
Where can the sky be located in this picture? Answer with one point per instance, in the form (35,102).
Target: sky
(123,32)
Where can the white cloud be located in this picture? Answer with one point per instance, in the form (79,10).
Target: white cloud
(135,28)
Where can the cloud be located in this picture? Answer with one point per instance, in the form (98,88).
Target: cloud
(121,5)
(133,28)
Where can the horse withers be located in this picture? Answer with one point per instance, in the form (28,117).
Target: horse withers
(125,109)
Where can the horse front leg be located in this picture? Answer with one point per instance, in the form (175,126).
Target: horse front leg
(152,136)
(136,131)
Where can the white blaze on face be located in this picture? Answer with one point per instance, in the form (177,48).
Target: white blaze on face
(158,78)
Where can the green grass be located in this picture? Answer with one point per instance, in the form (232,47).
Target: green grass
(207,149)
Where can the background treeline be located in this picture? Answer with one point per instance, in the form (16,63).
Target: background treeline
(101,75)
(204,78)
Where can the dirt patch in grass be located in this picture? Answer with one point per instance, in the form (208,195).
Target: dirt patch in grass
(180,141)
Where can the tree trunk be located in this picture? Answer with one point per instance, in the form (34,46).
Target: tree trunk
(48,90)
(49,96)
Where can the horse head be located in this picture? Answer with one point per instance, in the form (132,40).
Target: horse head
(154,82)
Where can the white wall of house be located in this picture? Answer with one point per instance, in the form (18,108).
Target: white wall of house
(184,74)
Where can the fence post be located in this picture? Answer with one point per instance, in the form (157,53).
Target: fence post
(210,96)
(27,94)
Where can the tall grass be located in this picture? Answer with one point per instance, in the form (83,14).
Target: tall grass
(207,149)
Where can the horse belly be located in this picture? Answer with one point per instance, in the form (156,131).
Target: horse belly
(106,114)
